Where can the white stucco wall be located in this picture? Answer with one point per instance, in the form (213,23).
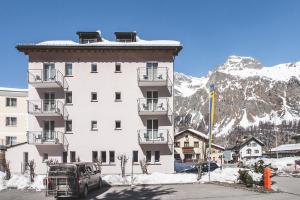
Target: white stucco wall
(254,146)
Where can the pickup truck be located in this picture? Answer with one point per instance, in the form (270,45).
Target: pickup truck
(65,180)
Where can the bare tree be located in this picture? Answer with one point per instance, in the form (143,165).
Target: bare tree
(31,167)
(123,159)
(7,170)
(144,166)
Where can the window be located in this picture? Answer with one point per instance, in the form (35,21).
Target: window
(248,151)
(11,102)
(177,144)
(196,144)
(118,96)
(186,144)
(94,96)
(111,157)
(94,126)
(25,159)
(117,125)
(68,97)
(256,151)
(10,140)
(65,157)
(148,156)
(68,125)
(94,68)
(11,121)
(72,156)
(94,156)
(103,156)
(118,68)
(156,156)
(135,156)
(45,157)
(68,69)
(254,144)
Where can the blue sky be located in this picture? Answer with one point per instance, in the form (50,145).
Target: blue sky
(209,30)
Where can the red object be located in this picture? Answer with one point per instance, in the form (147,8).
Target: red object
(267,178)
(45,181)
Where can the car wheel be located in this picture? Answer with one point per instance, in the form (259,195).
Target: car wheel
(85,192)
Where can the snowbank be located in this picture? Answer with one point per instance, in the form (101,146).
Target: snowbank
(227,175)
(21,182)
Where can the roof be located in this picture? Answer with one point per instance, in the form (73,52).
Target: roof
(287,147)
(241,145)
(296,136)
(13,89)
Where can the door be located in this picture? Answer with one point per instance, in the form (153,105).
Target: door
(49,102)
(152,129)
(152,100)
(151,71)
(49,72)
(49,134)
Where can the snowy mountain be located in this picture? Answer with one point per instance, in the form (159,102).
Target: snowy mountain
(247,93)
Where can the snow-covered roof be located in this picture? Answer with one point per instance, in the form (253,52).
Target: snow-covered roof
(13,89)
(195,132)
(287,147)
(217,146)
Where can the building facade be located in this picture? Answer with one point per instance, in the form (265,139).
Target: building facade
(97,100)
(191,145)
(13,116)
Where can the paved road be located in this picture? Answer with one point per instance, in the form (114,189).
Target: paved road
(288,184)
(167,192)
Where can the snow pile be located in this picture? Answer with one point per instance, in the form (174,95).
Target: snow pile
(226,175)
(148,179)
(21,182)
(283,164)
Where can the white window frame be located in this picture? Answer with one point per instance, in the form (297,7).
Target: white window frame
(94,93)
(10,140)
(120,99)
(10,122)
(67,69)
(118,128)
(119,65)
(9,102)
(94,122)
(92,68)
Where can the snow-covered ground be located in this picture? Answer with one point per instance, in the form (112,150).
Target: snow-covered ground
(21,182)
(284,165)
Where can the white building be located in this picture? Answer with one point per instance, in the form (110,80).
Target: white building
(98,99)
(13,116)
(249,148)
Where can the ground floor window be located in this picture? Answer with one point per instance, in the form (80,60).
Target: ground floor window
(111,157)
(157,156)
(65,157)
(177,156)
(148,156)
(95,156)
(72,156)
(188,157)
(135,156)
(103,156)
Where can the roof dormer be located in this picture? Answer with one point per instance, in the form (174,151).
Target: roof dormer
(125,36)
(89,37)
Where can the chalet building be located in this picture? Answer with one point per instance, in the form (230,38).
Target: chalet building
(287,150)
(13,116)
(97,99)
(191,145)
(248,148)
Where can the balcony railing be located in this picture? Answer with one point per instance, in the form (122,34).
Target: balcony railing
(153,106)
(47,138)
(38,78)
(153,76)
(153,136)
(47,107)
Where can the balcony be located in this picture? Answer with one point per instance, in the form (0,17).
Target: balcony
(40,78)
(47,138)
(47,108)
(153,136)
(153,76)
(155,106)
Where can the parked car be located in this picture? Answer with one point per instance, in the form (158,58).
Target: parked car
(204,168)
(72,179)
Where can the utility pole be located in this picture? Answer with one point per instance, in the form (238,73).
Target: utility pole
(210,124)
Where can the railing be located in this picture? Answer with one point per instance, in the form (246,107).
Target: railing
(38,76)
(153,74)
(153,105)
(47,138)
(152,136)
(47,107)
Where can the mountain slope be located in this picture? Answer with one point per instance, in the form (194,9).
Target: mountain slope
(247,93)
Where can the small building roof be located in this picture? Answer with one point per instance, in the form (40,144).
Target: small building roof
(241,145)
(287,147)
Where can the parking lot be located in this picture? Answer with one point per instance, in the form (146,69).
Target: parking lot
(290,187)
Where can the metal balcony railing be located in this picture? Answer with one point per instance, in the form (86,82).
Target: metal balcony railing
(153,76)
(153,136)
(47,107)
(39,78)
(47,138)
(153,106)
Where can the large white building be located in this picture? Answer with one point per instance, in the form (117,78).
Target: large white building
(98,99)
(13,116)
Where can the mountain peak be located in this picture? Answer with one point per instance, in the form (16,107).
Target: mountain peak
(235,62)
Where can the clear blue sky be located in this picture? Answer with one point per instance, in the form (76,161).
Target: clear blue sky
(209,30)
